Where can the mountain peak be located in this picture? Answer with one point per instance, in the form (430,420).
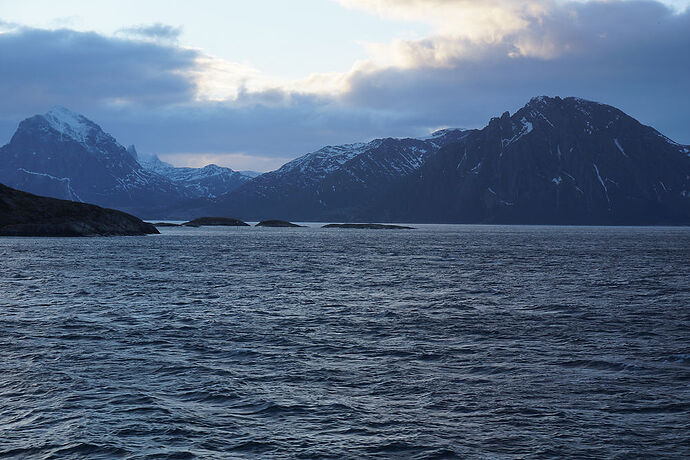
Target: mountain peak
(546,101)
(441,132)
(69,123)
(132,150)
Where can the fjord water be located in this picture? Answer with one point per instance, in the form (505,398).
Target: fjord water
(468,341)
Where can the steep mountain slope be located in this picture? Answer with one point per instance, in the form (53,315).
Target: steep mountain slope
(207,182)
(554,161)
(64,155)
(333,182)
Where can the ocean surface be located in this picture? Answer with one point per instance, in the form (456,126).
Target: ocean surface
(440,342)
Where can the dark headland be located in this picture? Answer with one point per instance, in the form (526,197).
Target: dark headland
(25,214)
(369,226)
(277,223)
(216,221)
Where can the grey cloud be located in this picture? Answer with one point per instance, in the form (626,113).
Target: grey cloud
(156,31)
(86,70)
(305,124)
(7,25)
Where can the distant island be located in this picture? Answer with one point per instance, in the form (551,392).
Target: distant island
(215,221)
(25,214)
(369,226)
(277,223)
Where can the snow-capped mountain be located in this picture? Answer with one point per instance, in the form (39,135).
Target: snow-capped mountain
(323,183)
(207,182)
(556,160)
(65,155)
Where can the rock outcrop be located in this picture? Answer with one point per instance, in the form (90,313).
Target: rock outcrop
(216,221)
(25,214)
(277,223)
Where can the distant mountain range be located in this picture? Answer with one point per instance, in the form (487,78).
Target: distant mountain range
(335,182)
(207,182)
(555,161)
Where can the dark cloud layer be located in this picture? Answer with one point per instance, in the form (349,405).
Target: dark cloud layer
(87,71)
(629,54)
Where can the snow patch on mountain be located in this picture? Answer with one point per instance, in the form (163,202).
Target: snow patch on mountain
(66,180)
(439,133)
(70,124)
(620,148)
(603,184)
(526,128)
(154,164)
(328,159)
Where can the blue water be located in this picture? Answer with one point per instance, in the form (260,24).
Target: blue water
(440,342)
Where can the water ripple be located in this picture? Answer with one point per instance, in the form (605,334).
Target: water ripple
(441,342)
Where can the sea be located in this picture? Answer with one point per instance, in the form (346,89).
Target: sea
(446,341)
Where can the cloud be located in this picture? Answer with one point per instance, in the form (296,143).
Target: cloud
(464,29)
(6,26)
(630,54)
(485,21)
(158,31)
(85,70)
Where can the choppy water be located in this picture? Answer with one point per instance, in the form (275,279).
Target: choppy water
(490,342)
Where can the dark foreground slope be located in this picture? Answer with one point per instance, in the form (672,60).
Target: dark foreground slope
(24,214)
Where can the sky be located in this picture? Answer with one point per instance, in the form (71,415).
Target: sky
(252,85)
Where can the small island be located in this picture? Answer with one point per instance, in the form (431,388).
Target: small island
(215,221)
(369,226)
(166,224)
(25,214)
(277,223)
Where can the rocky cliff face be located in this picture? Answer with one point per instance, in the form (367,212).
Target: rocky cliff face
(24,214)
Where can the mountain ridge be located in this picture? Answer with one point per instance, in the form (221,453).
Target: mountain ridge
(555,160)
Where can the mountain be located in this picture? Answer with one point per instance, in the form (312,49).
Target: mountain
(25,214)
(555,161)
(65,155)
(207,182)
(333,182)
